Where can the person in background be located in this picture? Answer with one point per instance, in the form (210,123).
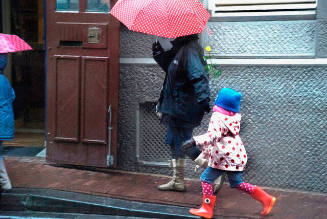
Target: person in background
(7,125)
(224,149)
(184,97)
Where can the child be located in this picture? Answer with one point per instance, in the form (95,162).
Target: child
(223,148)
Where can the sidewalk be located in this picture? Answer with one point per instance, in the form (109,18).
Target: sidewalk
(35,173)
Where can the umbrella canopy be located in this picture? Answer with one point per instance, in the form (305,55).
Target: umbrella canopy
(12,43)
(165,18)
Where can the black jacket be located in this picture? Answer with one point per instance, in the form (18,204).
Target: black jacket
(185,93)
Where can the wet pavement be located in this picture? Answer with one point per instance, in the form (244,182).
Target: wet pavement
(47,215)
(19,151)
(34,174)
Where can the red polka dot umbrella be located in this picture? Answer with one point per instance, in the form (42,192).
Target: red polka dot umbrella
(12,43)
(165,18)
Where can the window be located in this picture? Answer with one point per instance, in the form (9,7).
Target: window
(98,6)
(241,8)
(67,5)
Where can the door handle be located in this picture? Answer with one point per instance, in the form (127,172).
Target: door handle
(110,158)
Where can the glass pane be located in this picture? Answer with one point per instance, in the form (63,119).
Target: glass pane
(67,5)
(98,5)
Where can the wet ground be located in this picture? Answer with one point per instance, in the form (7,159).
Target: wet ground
(35,173)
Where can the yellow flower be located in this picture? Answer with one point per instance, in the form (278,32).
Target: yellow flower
(209,66)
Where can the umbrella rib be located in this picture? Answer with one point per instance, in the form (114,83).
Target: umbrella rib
(197,17)
(190,10)
(168,21)
(174,27)
(141,10)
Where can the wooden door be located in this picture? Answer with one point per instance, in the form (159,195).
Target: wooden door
(82,41)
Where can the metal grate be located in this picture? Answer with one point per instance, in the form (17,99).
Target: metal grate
(151,138)
(151,147)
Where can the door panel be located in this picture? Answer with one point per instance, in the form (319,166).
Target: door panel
(67,98)
(68,32)
(82,83)
(95,100)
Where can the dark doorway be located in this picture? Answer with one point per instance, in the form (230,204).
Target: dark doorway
(26,71)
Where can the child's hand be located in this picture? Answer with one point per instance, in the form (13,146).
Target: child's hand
(159,114)
(201,161)
(196,168)
(188,144)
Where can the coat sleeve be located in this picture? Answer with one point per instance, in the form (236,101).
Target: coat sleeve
(198,76)
(161,95)
(13,95)
(7,93)
(213,134)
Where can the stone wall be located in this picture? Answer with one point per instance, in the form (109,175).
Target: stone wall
(284,105)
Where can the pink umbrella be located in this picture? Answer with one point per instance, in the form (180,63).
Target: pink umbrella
(12,43)
(165,18)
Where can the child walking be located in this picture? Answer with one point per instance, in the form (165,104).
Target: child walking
(223,148)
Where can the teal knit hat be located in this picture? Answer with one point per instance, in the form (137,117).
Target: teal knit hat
(229,99)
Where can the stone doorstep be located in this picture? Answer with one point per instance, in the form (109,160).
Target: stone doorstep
(45,200)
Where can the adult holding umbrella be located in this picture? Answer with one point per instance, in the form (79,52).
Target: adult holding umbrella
(183,100)
(185,94)
(8,43)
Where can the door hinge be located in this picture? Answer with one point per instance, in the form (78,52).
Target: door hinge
(110,160)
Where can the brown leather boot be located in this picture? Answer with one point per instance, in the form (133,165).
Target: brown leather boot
(177,181)
(4,179)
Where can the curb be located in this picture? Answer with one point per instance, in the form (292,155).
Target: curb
(45,200)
